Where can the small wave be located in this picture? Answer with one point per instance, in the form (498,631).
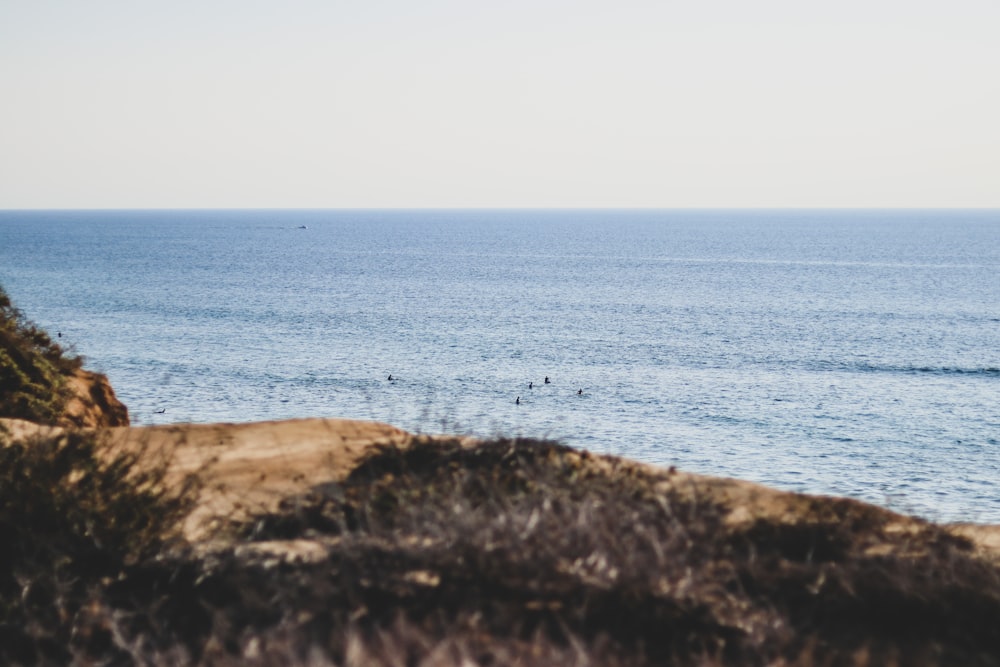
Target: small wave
(985,371)
(949,370)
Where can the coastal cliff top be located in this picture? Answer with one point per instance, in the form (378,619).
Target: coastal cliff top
(327,541)
(249,468)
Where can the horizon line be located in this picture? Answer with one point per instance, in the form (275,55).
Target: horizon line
(500,208)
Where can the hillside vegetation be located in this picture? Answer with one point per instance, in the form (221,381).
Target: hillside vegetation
(445,553)
(33,369)
(42,382)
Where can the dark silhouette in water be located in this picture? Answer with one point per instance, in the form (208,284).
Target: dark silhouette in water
(517,401)
(389,378)
(579,392)
(546,379)
(161,411)
(531,385)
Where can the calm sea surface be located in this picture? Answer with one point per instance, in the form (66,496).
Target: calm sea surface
(853,353)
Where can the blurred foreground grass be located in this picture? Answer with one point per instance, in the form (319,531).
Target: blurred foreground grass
(509,552)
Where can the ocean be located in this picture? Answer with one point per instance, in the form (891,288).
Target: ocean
(852,353)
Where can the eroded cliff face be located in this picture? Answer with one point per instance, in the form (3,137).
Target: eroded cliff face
(92,402)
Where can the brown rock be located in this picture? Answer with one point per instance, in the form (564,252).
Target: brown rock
(92,403)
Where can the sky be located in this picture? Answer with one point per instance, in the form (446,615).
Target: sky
(540,103)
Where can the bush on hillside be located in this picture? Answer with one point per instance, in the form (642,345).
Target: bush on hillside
(33,368)
(526,552)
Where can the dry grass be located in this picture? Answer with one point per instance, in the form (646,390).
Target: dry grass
(75,512)
(528,553)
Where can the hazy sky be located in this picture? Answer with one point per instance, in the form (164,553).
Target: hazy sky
(385,103)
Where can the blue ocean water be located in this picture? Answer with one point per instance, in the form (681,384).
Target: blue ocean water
(852,353)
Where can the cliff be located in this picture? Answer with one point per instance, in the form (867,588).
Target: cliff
(91,402)
(40,381)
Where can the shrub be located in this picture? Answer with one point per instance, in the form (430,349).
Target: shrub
(33,368)
(75,512)
(509,552)
(529,552)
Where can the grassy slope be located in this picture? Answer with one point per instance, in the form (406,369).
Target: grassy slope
(33,368)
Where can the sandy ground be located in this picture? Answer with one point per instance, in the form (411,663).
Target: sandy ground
(250,467)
